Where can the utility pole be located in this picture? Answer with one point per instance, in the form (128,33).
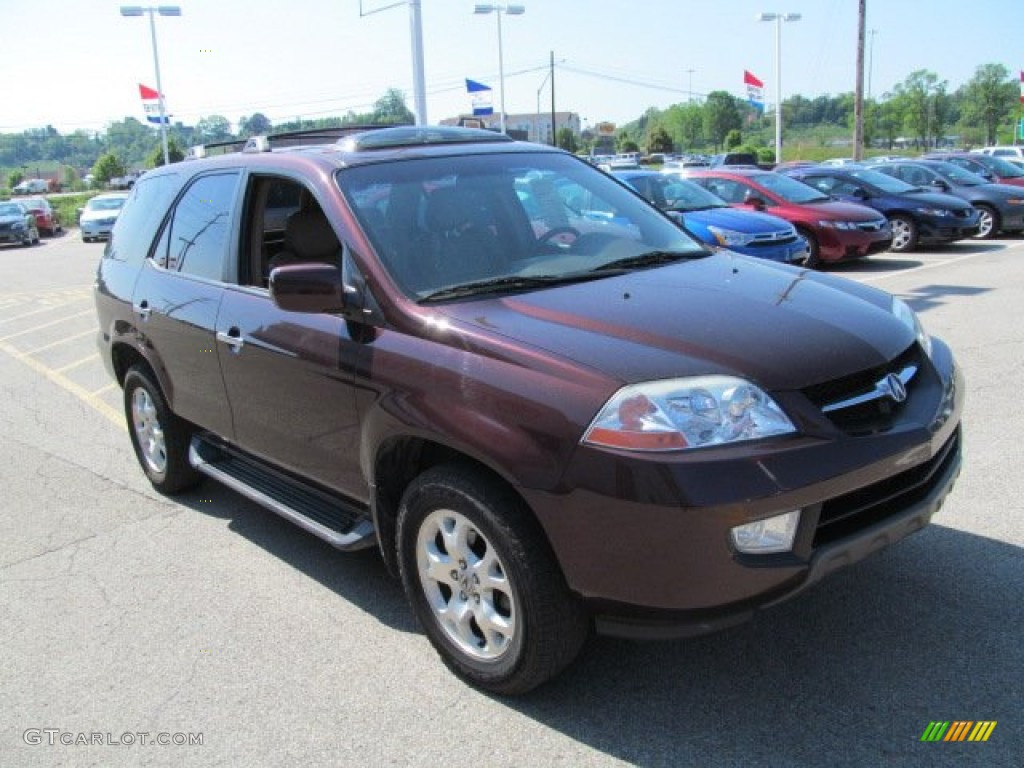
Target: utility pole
(554,135)
(858,92)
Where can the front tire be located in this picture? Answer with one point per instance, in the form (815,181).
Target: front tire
(904,234)
(988,222)
(813,260)
(484,583)
(159,437)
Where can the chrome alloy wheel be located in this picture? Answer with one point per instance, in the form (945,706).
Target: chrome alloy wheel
(902,234)
(465,585)
(148,430)
(986,223)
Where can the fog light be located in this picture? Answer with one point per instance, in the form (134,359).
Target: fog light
(773,534)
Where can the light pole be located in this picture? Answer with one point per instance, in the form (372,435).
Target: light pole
(778,18)
(511,10)
(690,85)
(163,10)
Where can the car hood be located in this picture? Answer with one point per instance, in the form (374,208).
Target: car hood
(88,215)
(781,327)
(935,199)
(748,222)
(12,218)
(835,209)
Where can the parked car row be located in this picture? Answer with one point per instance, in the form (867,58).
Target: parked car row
(843,209)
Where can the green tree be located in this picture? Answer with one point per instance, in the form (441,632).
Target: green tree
(14,178)
(988,99)
(211,129)
(257,125)
(566,139)
(733,139)
(658,140)
(919,98)
(107,167)
(721,115)
(174,153)
(390,109)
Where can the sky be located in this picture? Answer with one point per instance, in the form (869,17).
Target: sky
(77,64)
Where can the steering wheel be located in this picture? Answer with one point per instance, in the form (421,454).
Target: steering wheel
(556,231)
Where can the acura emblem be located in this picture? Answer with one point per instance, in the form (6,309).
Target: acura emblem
(893,386)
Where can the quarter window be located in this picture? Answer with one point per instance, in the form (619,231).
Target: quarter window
(199,234)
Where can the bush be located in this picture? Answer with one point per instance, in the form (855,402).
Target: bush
(67,207)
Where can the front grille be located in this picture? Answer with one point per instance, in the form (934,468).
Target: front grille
(773,239)
(853,512)
(871,226)
(875,415)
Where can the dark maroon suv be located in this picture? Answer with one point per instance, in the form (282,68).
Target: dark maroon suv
(549,408)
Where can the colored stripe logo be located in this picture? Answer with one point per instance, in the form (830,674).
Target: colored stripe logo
(958,730)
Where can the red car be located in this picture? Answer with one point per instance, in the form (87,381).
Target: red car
(834,231)
(47,220)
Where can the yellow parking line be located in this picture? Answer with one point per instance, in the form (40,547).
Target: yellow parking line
(37,311)
(58,321)
(89,398)
(104,389)
(70,366)
(65,340)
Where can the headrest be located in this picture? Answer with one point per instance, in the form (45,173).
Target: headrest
(308,235)
(448,208)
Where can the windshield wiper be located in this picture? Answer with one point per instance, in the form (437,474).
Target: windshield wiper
(506,283)
(648,259)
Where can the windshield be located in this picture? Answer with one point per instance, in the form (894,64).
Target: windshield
(790,190)
(958,175)
(887,184)
(505,222)
(1001,167)
(671,192)
(105,204)
(11,209)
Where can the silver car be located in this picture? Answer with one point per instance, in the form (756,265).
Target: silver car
(98,216)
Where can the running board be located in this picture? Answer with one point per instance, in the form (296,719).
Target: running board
(341,524)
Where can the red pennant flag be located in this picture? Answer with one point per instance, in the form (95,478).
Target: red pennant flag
(749,79)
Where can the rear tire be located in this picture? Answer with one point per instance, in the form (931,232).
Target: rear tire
(159,437)
(484,583)
(904,234)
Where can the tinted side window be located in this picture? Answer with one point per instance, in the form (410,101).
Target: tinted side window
(141,217)
(199,233)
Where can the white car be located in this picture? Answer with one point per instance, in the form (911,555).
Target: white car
(98,217)
(1006,152)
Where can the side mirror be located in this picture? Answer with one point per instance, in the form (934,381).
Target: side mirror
(310,288)
(860,193)
(940,184)
(756,203)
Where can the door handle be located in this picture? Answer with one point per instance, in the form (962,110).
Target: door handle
(233,338)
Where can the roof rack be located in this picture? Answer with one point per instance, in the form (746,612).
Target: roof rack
(302,138)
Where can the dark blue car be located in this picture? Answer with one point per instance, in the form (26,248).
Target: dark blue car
(916,216)
(713,221)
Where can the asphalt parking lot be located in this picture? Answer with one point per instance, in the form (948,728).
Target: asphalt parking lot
(126,616)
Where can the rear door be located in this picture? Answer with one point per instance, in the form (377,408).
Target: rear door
(178,296)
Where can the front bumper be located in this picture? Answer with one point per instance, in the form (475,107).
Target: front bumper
(646,543)
(841,245)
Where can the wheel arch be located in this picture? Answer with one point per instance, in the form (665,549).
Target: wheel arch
(399,460)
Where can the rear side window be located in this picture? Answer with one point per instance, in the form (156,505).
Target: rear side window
(141,217)
(199,236)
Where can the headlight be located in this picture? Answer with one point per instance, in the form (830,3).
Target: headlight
(680,414)
(934,211)
(19,225)
(909,318)
(830,224)
(1015,201)
(729,236)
